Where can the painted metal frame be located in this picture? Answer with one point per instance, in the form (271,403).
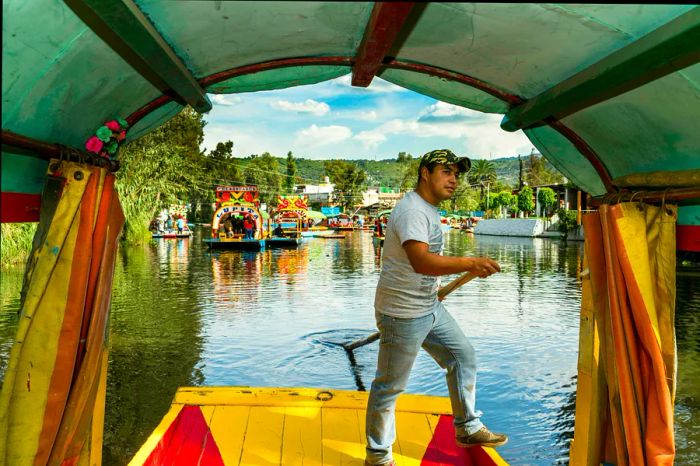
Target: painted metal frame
(130,34)
(669,48)
(383,27)
(123,26)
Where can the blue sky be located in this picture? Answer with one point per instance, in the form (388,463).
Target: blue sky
(335,120)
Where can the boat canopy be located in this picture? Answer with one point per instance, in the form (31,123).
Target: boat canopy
(603,91)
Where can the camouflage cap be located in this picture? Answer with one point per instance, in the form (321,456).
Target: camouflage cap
(445,157)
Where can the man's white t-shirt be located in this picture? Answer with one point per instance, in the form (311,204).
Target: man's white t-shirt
(401,292)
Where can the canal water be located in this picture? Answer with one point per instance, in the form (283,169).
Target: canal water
(184,316)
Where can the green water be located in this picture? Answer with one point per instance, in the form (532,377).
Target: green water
(184,316)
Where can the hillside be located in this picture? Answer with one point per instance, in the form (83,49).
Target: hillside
(389,172)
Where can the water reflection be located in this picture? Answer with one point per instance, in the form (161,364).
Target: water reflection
(183,315)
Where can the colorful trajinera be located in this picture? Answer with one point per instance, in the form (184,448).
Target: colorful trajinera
(235,206)
(290,214)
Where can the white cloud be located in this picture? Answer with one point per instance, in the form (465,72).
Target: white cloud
(370,139)
(368,116)
(308,106)
(225,100)
(377,84)
(315,136)
(478,134)
(441,112)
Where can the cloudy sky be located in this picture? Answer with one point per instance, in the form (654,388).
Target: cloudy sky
(335,120)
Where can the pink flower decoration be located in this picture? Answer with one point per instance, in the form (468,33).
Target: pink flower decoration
(113,125)
(121,136)
(94,144)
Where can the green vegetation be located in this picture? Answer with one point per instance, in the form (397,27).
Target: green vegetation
(504,199)
(16,243)
(525,203)
(547,198)
(567,221)
(161,168)
(264,171)
(291,172)
(349,180)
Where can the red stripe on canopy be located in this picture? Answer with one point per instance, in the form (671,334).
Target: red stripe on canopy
(19,207)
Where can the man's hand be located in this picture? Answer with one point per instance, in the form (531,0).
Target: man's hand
(483,266)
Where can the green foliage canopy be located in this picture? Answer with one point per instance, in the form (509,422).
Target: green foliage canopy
(547,198)
(263,171)
(291,172)
(159,169)
(525,202)
(348,179)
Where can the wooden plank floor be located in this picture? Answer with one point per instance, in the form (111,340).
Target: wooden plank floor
(298,426)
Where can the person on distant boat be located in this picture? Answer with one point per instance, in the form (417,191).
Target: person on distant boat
(410,315)
(180,225)
(378,230)
(278,231)
(248,226)
(228,227)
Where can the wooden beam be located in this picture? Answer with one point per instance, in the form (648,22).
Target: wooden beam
(670,48)
(383,27)
(668,195)
(20,144)
(129,33)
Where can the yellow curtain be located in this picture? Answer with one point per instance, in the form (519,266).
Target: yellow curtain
(627,346)
(52,401)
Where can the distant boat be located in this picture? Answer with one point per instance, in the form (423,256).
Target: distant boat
(236,203)
(171,235)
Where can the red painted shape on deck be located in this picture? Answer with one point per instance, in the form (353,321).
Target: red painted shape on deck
(188,441)
(444,451)
(688,238)
(19,207)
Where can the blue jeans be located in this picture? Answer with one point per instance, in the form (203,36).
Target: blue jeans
(248,233)
(401,339)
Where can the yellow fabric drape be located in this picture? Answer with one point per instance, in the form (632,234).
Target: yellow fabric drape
(627,349)
(54,383)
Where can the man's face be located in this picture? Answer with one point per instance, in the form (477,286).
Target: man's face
(442,182)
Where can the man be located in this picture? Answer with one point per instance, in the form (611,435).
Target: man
(278,231)
(409,314)
(248,226)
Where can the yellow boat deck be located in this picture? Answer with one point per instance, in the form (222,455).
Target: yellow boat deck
(298,426)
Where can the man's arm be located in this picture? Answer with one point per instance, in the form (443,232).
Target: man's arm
(425,262)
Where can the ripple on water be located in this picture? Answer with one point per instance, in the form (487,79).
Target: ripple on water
(182,315)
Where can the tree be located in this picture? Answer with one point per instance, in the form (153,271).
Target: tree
(348,179)
(291,172)
(404,157)
(503,199)
(525,202)
(263,171)
(160,168)
(410,175)
(567,222)
(540,173)
(547,199)
(483,173)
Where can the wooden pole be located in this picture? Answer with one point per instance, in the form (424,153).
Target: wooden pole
(442,294)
